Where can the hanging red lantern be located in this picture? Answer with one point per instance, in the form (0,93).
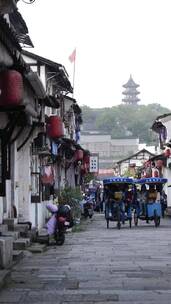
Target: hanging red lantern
(159,163)
(167,152)
(55,127)
(11,86)
(79,155)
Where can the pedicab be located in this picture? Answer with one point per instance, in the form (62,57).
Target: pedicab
(118,200)
(148,200)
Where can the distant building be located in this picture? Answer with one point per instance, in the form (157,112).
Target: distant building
(130,92)
(109,150)
(132,163)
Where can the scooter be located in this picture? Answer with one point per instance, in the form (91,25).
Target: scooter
(88,207)
(60,221)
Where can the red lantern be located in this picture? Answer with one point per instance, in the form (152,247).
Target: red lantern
(79,155)
(167,152)
(11,86)
(159,163)
(55,127)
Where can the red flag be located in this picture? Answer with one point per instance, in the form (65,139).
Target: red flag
(72,56)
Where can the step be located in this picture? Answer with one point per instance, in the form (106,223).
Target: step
(10,222)
(21,244)
(22,229)
(3,228)
(32,234)
(17,255)
(43,236)
(4,277)
(14,234)
(37,248)
(6,244)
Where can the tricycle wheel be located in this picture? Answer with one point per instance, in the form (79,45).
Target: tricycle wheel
(156,219)
(119,225)
(130,223)
(60,239)
(135,219)
(118,218)
(107,224)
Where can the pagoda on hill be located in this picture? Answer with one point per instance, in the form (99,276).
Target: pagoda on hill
(131,92)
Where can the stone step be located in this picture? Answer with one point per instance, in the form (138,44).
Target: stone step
(3,228)
(32,234)
(17,255)
(4,277)
(43,236)
(37,248)
(22,229)
(21,244)
(6,244)
(14,234)
(10,222)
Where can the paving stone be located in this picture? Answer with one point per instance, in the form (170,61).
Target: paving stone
(37,248)
(98,265)
(21,244)
(4,277)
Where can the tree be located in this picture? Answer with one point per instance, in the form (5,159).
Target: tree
(125,121)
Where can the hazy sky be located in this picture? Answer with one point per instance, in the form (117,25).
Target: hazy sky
(113,39)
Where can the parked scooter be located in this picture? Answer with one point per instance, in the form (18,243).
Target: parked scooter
(88,208)
(59,222)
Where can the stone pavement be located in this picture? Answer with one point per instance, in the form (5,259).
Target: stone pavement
(98,265)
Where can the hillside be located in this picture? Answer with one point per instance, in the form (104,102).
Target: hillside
(123,121)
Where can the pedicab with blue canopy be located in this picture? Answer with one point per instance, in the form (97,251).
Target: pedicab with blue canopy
(118,199)
(148,199)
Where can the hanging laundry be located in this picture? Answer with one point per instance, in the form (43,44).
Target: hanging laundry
(54,148)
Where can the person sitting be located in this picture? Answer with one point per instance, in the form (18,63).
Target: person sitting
(143,199)
(152,194)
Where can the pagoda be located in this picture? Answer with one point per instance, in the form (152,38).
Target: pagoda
(131,92)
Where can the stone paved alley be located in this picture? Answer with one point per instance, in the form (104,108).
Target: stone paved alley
(98,266)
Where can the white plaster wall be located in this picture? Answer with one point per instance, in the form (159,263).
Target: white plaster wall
(167,174)
(43,75)
(42,213)
(62,178)
(8,198)
(23,162)
(38,213)
(71,176)
(1,210)
(32,210)
(14,176)
(168,126)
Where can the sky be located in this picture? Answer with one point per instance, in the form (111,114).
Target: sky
(113,39)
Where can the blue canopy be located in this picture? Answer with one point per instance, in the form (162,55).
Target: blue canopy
(118,180)
(151,180)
